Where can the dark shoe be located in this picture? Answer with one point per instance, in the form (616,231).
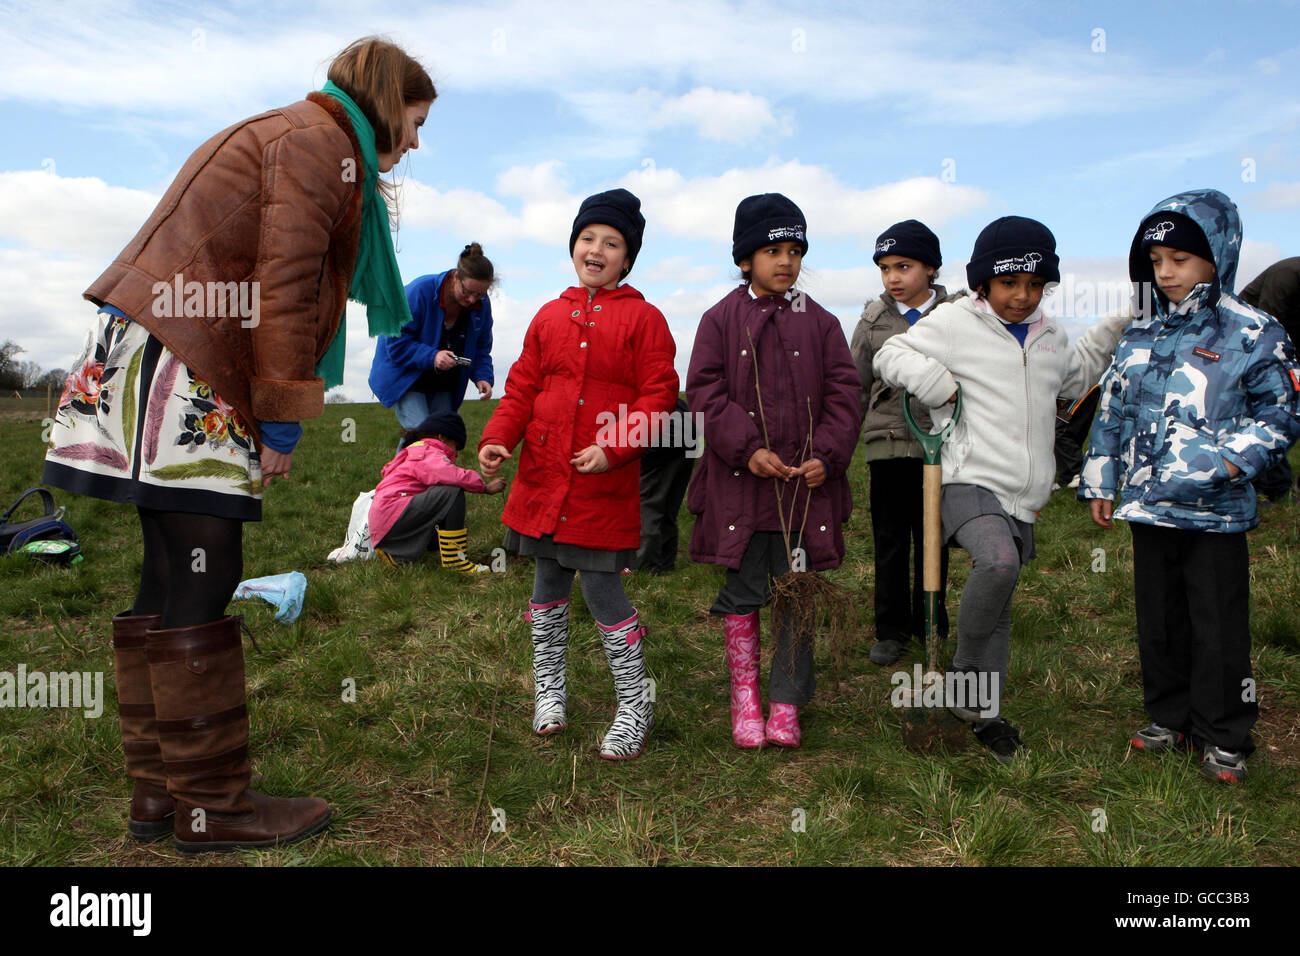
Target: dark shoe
(151,808)
(886,652)
(1228,766)
(270,822)
(965,710)
(1001,738)
(197,675)
(1157,739)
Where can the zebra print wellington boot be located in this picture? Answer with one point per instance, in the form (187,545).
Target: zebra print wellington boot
(636,711)
(550,639)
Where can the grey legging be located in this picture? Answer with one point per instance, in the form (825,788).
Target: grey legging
(984,618)
(603,590)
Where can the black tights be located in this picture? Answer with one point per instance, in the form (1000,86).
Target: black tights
(192,565)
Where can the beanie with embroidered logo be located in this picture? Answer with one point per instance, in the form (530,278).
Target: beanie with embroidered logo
(910,239)
(1013,244)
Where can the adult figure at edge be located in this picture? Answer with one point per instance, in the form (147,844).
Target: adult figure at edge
(188,417)
(417,373)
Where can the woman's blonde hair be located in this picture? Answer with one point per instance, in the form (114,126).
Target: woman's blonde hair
(383,80)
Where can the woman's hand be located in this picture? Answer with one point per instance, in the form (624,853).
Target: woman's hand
(1101,510)
(590,461)
(274,464)
(484,389)
(766,463)
(444,360)
(496,486)
(490,458)
(814,472)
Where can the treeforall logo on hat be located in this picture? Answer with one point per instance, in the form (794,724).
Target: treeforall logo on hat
(785,233)
(885,245)
(1158,231)
(1026,263)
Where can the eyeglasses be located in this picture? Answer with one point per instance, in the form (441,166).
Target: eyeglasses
(470,294)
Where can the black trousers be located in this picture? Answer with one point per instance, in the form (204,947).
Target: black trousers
(1192,593)
(896,529)
(664,476)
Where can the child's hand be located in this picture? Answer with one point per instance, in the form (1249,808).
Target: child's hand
(1101,510)
(490,458)
(1233,470)
(590,461)
(766,463)
(496,486)
(814,472)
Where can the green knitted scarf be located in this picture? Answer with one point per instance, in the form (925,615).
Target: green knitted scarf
(376,281)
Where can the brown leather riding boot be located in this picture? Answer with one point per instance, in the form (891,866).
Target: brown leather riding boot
(198,689)
(151,806)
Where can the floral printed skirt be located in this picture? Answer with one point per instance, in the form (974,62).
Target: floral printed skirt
(135,425)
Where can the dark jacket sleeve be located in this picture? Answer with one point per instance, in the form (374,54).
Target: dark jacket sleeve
(729,431)
(482,370)
(837,432)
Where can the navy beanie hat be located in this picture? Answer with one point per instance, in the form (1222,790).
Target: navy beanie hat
(1013,244)
(764,220)
(911,239)
(448,424)
(617,208)
(1176,231)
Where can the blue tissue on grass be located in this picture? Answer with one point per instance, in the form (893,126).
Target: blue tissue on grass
(285,591)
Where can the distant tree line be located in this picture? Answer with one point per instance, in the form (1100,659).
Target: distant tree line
(16,373)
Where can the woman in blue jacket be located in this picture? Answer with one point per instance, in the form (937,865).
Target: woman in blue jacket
(446,345)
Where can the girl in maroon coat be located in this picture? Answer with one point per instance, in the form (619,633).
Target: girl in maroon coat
(596,371)
(772,376)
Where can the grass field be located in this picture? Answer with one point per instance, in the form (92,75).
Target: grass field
(441,666)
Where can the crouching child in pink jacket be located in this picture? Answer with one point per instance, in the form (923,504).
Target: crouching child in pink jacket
(421,495)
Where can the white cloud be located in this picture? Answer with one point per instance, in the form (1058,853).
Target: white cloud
(705,206)
(679,269)
(159,64)
(41,306)
(698,207)
(1279,196)
(1255,258)
(70,216)
(720,115)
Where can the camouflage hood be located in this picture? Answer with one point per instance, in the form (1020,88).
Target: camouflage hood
(1217,217)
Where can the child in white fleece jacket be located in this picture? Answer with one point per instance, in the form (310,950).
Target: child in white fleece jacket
(1012,362)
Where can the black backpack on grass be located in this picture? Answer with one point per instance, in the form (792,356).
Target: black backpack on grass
(47,538)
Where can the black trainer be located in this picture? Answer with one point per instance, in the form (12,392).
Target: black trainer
(885,652)
(1001,738)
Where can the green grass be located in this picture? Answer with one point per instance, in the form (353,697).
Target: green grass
(431,654)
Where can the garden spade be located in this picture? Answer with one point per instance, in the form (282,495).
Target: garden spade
(927,724)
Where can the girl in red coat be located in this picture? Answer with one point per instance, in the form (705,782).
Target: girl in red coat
(773,379)
(596,370)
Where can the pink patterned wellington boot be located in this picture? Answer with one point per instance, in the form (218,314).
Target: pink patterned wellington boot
(783,725)
(741,632)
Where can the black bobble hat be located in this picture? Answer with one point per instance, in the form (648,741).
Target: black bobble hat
(764,220)
(447,424)
(1176,231)
(617,208)
(1013,244)
(911,239)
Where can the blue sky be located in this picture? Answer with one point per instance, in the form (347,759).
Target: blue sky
(1081,115)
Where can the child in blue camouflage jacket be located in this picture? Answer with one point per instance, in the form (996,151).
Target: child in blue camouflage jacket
(1203,395)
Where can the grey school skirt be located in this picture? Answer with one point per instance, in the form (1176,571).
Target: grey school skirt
(570,556)
(961,503)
